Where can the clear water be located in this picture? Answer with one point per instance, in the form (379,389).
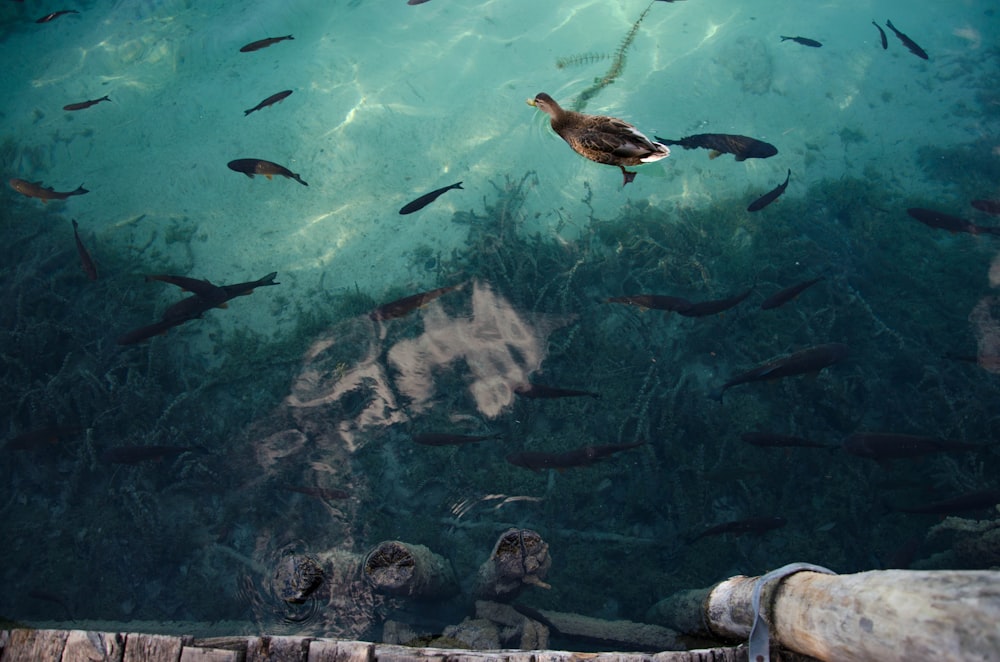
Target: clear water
(295,386)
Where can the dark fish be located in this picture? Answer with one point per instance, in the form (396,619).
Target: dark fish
(86,104)
(979,500)
(442,439)
(251,167)
(773,440)
(892,446)
(705,308)
(811,359)
(36,190)
(406,305)
(881,33)
(202,288)
(805,41)
(426,199)
(48,596)
(770,196)
(540,391)
(146,332)
(416,2)
(581,457)
(86,261)
(42,437)
(988,206)
(270,101)
(320,492)
(741,526)
(787,294)
(942,221)
(654,301)
(741,147)
(263,43)
(137,454)
(909,43)
(56,14)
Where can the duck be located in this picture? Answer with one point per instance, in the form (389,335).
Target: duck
(600,138)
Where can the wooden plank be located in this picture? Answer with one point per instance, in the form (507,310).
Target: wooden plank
(35,646)
(333,650)
(199,654)
(4,638)
(84,646)
(152,648)
(278,649)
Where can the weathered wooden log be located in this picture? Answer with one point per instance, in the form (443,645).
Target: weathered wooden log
(520,557)
(409,571)
(879,615)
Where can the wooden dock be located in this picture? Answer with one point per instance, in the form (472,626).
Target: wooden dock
(26,645)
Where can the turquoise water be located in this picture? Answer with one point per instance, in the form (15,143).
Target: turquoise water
(295,386)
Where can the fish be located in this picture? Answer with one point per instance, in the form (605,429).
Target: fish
(782,297)
(444,439)
(426,199)
(36,190)
(320,492)
(941,221)
(406,305)
(805,41)
(146,332)
(881,34)
(909,43)
(86,104)
(705,308)
(251,167)
(86,262)
(581,457)
(263,43)
(540,391)
(48,596)
(741,526)
(654,301)
(137,454)
(56,14)
(42,437)
(270,101)
(774,440)
(742,147)
(203,288)
(987,206)
(416,2)
(770,196)
(891,446)
(979,500)
(811,359)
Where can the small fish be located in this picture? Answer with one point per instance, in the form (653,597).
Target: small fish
(86,104)
(654,302)
(48,596)
(36,190)
(881,34)
(774,440)
(979,500)
(406,305)
(540,391)
(270,101)
(811,359)
(443,439)
(770,196)
(987,206)
(953,224)
(56,14)
(891,446)
(426,199)
(137,454)
(86,261)
(581,457)
(909,43)
(742,147)
(741,526)
(251,167)
(326,493)
(805,41)
(42,437)
(705,308)
(784,296)
(146,332)
(263,43)
(416,2)
(202,288)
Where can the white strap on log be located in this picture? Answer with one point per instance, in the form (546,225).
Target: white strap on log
(760,632)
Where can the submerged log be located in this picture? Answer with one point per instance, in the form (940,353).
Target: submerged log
(520,557)
(409,571)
